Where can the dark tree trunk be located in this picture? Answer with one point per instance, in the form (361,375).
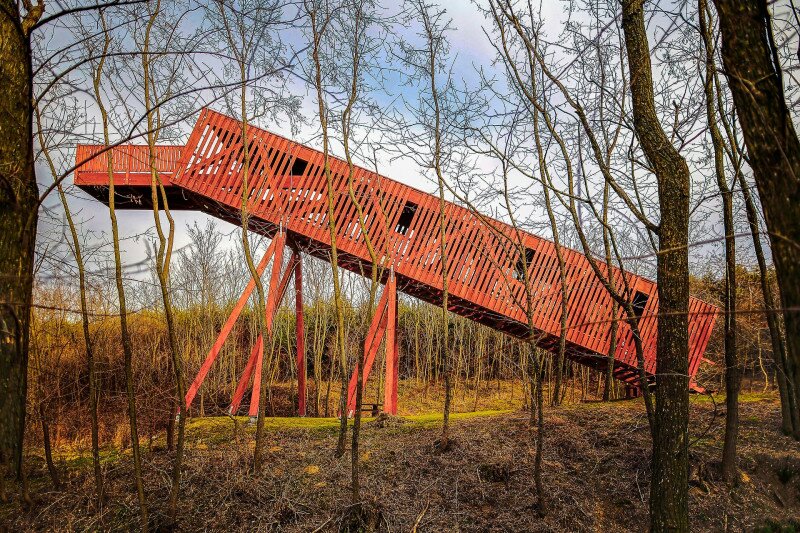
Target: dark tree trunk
(536,424)
(669,482)
(355,486)
(48,448)
(732,370)
(612,350)
(19,197)
(790,414)
(754,76)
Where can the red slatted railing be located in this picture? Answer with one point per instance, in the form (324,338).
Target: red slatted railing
(287,188)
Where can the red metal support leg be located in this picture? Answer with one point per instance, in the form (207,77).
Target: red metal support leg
(299,332)
(256,353)
(392,359)
(371,345)
(273,300)
(226,329)
(256,356)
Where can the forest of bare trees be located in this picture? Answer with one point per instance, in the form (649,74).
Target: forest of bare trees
(656,139)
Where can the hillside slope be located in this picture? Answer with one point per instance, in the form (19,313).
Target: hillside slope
(596,469)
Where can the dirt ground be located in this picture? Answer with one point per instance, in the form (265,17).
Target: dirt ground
(596,471)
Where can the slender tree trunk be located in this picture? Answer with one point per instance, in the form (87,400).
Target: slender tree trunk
(318,28)
(163,257)
(608,385)
(87,340)
(732,370)
(355,484)
(331,361)
(562,268)
(536,424)
(790,414)
(433,43)
(240,52)
(127,345)
(669,509)
(48,451)
(614,328)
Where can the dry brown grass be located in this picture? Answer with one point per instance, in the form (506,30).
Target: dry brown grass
(596,470)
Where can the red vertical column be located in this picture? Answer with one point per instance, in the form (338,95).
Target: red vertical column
(392,363)
(273,300)
(300,333)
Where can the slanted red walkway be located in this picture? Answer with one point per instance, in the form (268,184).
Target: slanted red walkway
(487,259)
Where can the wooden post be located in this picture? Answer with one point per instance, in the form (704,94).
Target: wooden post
(392,363)
(299,332)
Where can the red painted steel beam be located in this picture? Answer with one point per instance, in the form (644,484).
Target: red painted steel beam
(226,329)
(273,299)
(299,333)
(256,353)
(392,352)
(372,344)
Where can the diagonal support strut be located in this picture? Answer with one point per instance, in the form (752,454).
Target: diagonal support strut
(384,325)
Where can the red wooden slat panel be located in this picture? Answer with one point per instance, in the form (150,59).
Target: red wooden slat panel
(482,253)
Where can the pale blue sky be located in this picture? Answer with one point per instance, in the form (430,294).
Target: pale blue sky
(470,50)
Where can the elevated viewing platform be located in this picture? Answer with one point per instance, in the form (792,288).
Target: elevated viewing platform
(287,191)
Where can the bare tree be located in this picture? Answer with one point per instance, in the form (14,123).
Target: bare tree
(320,14)
(19,202)
(732,370)
(256,55)
(75,247)
(755,77)
(669,416)
(355,28)
(429,64)
(669,506)
(602,146)
(127,346)
(790,413)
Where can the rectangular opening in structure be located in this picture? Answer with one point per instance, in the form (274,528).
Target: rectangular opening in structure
(523,264)
(639,302)
(404,222)
(299,166)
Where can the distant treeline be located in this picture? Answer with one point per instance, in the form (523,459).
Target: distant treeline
(59,379)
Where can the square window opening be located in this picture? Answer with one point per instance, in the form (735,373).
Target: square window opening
(299,166)
(406,217)
(639,302)
(523,264)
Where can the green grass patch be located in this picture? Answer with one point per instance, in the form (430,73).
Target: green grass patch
(77,459)
(435,419)
(217,430)
(744,397)
(209,432)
